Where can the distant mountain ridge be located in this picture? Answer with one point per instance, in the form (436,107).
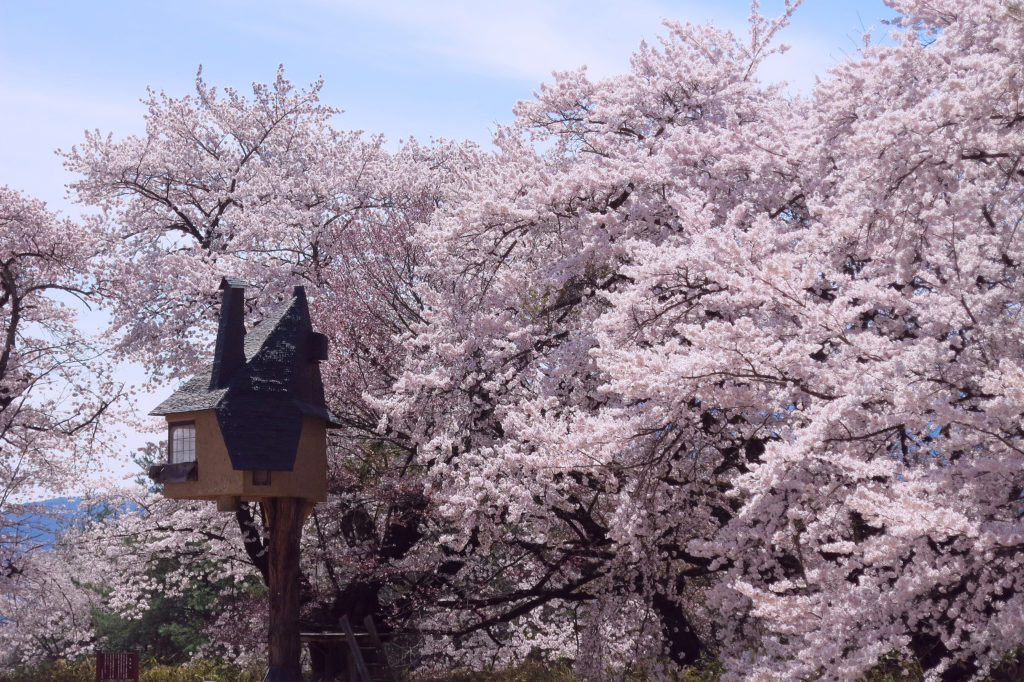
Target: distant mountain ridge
(37,524)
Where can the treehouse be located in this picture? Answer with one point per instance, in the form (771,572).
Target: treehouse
(252,426)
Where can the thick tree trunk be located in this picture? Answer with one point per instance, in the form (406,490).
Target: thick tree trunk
(285,516)
(684,646)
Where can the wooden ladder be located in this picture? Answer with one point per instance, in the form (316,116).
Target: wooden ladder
(368,661)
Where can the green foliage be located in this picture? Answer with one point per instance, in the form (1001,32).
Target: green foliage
(560,671)
(707,670)
(84,670)
(165,631)
(892,668)
(530,671)
(144,457)
(79,670)
(895,667)
(172,628)
(1011,669)
(197,671)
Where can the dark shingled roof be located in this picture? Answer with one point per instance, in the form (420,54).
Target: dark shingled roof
(260,404)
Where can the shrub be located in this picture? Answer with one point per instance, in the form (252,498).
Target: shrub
(84,670)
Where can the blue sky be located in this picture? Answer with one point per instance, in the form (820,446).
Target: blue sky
(444,68)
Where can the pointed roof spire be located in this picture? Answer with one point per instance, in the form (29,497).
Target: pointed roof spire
(261,399)
(229,353)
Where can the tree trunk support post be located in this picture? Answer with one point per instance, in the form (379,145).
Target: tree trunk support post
(286,515)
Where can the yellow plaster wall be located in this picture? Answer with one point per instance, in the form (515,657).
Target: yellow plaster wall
(308,479)
(217,479)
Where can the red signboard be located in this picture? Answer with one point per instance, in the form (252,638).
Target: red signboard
(122,665)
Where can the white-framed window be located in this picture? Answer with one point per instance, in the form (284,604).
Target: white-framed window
(181,442)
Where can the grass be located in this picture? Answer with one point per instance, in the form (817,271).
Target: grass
(530,671)
(538,671)
(84,670)
(891,669)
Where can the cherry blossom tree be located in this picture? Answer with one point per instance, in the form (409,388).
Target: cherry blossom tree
(264,188)
(167,578)
(580,495)
(46,609)
(886,511)
(719,347)
(55,384)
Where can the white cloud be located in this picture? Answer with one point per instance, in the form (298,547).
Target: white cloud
(528,39)
(525,40)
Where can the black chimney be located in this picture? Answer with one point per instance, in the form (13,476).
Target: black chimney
(230,352)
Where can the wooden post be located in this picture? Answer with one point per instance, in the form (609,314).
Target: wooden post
(286,516)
